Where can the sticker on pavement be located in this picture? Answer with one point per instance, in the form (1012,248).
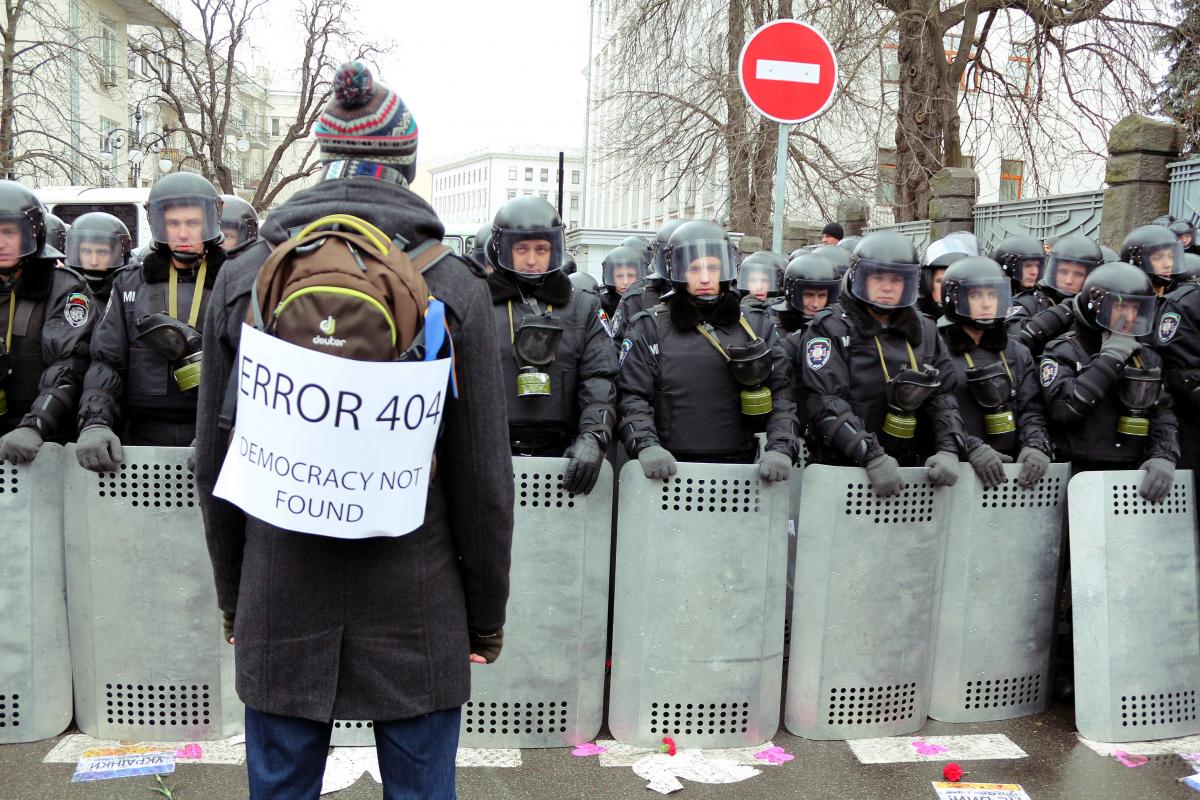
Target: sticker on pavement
(909,749)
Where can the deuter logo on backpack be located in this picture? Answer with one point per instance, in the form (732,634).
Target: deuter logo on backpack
(327,326)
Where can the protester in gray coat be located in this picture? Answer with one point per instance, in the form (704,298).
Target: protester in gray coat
(377,628)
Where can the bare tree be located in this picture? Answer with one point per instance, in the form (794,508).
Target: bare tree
(197,76)
(42,52)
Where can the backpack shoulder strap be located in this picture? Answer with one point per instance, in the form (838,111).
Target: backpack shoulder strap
(427,253)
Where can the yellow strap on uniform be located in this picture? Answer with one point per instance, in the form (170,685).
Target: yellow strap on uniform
(360,226)
(12,310)
(512,333)
(1003,360)
(1137,360)
(912,358)
(716,344)
(173,293)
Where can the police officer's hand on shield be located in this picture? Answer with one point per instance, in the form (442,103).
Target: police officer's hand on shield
(1034,464)
(1160,477)
(657,463)
(988,465)
(884,474)
(943,468)
(99,449)
(585,456)
(774,467)
(20,446)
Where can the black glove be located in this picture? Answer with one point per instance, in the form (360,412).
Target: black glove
(943,468)
(884,474)
(1120,346)
(988,465)
(191,458)
(1160,477)
(487,644)
(1034,464)
(657,462)
(20,446)
(774,467)
(583,469)
(227,625)
(99,449)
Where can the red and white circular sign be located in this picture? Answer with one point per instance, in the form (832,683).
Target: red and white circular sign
(788,71)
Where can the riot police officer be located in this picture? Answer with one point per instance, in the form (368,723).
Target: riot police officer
(56,231)
(810,284)
(836,255)
(642,247)
(1185,232)
(760,276)
(1022,259)
(1156,251)
(646,293)
(700,373)
(1042,315)
(876,378)
(477,255)
(849,243)
(623,266)
(239,224)
(1103,387)
(146,347)
(97,245)
(1177,339)
(937,257)
(47,316)
(557,357)
(998,394)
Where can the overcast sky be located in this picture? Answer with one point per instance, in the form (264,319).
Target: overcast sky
(477,73)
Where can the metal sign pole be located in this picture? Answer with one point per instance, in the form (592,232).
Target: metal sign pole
(781,159)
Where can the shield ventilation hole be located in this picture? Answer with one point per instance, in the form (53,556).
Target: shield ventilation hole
(699,719)
(158,705)
(1003,692)
(913,505)
(9,480)
(10,710)
(352,724)
(1164,708)
(149,486)
(871,705)
(711,495)
(1046,493)
(1127,500)
(542,490)
(486,717)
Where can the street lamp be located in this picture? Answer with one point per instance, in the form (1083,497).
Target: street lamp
(137,145)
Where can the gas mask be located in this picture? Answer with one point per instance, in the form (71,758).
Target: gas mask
(750,366)
(177,342)
(992,389)
(535,344)
(905,394)
(1138,391)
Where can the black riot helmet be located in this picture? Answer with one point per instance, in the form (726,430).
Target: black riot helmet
(761,273)
(941,254)
(1070,261)
(529,220)
(883,271)
(834,254)
(583,282)
(660,271)
(701,249)
(1184,231)
(167,209)
(976,291)
(628,261)
(812,273)
(98,241)
(642,247)
(849,243)
(56,233)
(1189,272)
(1015,254)
(476,253)
(569,267)
(22,216)
(239,222)
(1117,297)
(1109,254)
(1165,220)
(1154,250)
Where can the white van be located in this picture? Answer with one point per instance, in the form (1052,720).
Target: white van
(68,203)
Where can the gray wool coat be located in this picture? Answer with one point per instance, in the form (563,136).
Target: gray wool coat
(376,628)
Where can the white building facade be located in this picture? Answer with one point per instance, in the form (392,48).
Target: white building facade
(470,189)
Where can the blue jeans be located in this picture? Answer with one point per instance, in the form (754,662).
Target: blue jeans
(285,756)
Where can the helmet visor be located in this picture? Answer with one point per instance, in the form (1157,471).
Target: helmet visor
(236,232)
(530,251)
(758,280)
(94,250)
(1163,260)
(1067,274)
(184,223)
(1128,314)
(702,265)
(885,285)
(17,238)
(620,273)
(984,300)
(808,296)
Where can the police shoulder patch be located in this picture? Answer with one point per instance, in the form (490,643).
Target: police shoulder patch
(617,322)
(604,323)
(1167,326)
(1012,310)
(77,310)
(626,346)
(818,353)
(1048,371)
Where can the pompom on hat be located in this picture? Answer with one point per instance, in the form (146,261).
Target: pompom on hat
(366,127)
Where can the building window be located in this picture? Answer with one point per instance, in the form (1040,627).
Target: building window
(1012,179)
(574,177)
(969,81)
(529,173)
(890,54)
(274,126)
(108,51)
(885,190)
(1019,70)
(545,174)
(574,202)
(512,173)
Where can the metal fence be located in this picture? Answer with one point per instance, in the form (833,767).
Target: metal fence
(918,231)
(1185,190)
(1039,217)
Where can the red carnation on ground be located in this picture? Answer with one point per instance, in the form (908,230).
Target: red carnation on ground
(668,746)
(952,773)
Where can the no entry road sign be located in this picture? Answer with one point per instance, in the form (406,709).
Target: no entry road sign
(788,71)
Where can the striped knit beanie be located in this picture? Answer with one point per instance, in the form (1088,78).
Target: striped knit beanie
(367,122)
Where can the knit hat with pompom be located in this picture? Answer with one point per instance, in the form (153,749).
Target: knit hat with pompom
(366,121)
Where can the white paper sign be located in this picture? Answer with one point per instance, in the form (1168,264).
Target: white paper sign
(330,445)
(979,791)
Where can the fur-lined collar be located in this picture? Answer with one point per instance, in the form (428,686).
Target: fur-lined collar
(908,322)
(156,266)
(994,339)
(554,289)
(687,313)
(36,277)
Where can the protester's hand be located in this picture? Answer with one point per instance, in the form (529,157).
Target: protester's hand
(774,467)
(485,647)
(657,462)
(989,465)
(20,446)
(99,449)
(1034,464)
(884,474)
(583,468)
(943,468)
(1160,477)
(227,626)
